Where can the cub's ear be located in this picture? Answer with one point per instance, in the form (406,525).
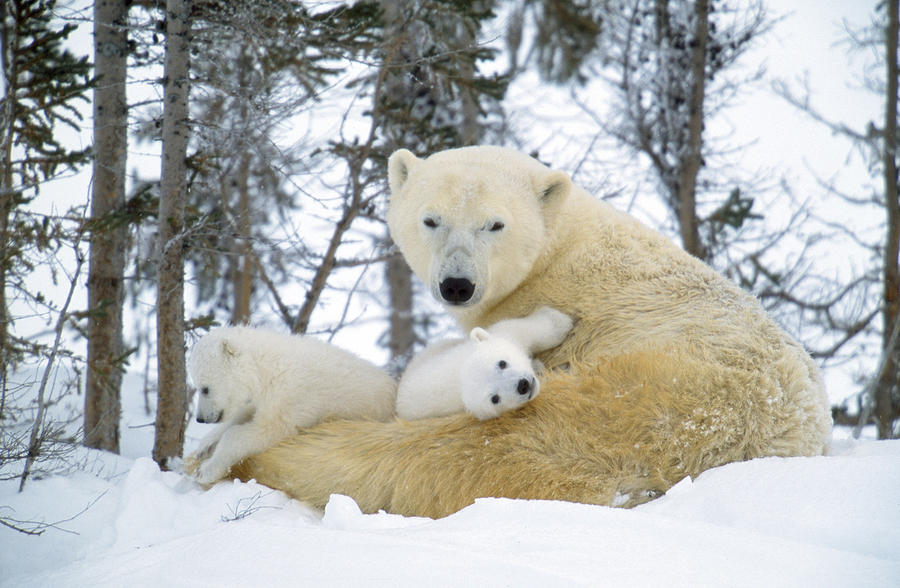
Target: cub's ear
(478,334)
(228,349)
(399,165)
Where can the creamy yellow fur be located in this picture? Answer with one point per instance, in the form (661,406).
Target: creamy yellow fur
(669,370)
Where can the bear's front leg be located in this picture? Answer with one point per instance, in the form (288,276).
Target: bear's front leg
(193,461)
(209,441)
(236,443)
(543,329)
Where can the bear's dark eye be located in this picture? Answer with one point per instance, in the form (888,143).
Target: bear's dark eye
(502,364)
(496,226)
(430,223)
(495,399)
(205,391)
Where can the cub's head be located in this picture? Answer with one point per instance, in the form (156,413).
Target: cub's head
(471,222)
(214,367)
(497,376)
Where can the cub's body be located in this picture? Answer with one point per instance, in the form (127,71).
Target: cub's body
(260,386)
(486,374)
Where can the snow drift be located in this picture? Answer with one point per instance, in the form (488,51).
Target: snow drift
(825,521)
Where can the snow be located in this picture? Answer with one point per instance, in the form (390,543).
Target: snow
(812,521)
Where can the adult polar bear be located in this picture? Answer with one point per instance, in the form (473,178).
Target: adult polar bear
(671,368)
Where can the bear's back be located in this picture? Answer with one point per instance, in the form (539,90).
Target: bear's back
(294,375)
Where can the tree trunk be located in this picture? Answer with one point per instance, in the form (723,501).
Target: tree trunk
(470,130)
(243,264)
(102,404)
(888,380)
(397,274)
(402,332)
(692,158)
(8,115)
(172,388)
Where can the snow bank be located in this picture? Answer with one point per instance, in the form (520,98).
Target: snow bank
(827,521)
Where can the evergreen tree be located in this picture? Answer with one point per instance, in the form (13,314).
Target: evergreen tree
(256,68)
(849,310)
(430,96)
(43,84)
(172,398)
(886,396)
(106,288)
(668,64)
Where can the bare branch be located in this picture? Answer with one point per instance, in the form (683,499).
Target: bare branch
(805,105)
(37,426)
(39,527)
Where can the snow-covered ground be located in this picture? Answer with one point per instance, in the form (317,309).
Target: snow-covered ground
(824,521)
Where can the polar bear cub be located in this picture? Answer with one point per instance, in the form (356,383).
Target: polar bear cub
(486,374)
(261,386)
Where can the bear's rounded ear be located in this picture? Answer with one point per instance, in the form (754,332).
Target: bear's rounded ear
(478,334)
(228,350)
(553,188)
(399,165)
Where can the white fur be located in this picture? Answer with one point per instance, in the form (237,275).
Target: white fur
(261,386)
(467,374)
(450,231)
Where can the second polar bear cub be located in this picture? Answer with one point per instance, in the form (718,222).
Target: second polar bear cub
(261,386)
(486,374)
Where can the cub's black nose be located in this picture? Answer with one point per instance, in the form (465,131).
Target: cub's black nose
(457,290)
(524,386)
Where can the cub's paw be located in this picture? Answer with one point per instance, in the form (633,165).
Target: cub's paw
(191,464)
(210,472)
(558,324)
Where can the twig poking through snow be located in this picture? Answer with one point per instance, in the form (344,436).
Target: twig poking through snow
(245,507)
(38,527)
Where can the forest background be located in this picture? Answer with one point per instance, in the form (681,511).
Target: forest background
(258,132)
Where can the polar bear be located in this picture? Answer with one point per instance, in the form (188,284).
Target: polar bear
(486,374)
(673,369)
(260,386)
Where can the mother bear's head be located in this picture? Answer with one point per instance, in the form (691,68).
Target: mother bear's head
(472,222)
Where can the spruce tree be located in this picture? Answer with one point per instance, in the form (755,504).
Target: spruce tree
(430,96)
(44,84)
(106,283)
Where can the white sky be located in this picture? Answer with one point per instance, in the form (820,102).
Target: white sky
(811,41)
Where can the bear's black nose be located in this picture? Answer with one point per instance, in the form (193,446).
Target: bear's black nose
(524,386)
(457,290)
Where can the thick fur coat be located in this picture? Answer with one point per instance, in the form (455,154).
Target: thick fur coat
(260,386)
(669,370)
